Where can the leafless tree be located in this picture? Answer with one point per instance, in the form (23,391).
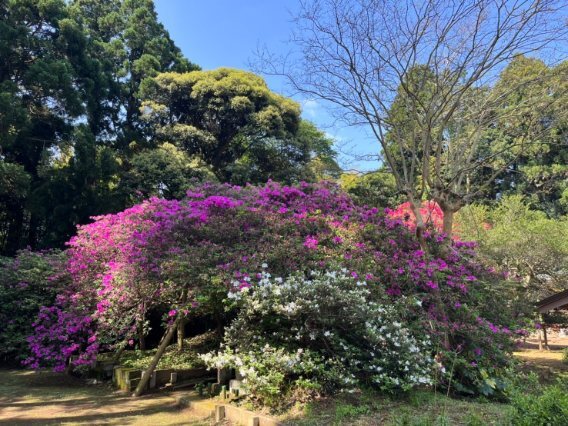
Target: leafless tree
(362,55)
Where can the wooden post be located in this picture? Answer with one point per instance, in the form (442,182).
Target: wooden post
(219,413)
(542,335)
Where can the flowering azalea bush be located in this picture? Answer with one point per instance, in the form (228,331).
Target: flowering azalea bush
(180,257)
(325,330)
(430,211)
(27,282)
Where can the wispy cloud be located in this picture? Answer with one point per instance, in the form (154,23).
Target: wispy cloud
(311,108)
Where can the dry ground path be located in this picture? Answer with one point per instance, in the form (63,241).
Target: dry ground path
(28,398)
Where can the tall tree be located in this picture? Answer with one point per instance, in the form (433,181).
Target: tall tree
(377,188)
(129,44)
(534,111)
(38,100)
(233,122)
(361,55)
(70,111)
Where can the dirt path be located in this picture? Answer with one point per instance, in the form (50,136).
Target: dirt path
(28,398)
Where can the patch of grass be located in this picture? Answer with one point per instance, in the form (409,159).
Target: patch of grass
(419,408)
(345,412)
(548,406)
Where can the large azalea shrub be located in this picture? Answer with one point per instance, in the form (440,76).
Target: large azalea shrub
(182,257)
(28,281)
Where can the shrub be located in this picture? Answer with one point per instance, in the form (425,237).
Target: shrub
(27,282)
(548,407)
(180,257)
(309,327)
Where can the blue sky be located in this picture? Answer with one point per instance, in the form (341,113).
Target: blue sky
(225,33)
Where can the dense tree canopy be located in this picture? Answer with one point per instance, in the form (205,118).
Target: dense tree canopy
(233,122)
(535,101)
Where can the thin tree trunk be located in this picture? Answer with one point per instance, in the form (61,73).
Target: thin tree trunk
(420,226)
(141,336)
(448,222)
(219,322)
(166,339)
(15,231)
(181,334)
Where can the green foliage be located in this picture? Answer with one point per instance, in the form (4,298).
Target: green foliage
(14,185)
(547,407)
(532,132)
(27,282)
(69,109)
(375,189)
(40,94)
(187,358)
(504,139)
(127,44)
(79,184)
(232,121)
(565,356)
(165,171)
(505,234)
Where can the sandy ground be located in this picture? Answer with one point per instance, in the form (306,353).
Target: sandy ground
(554,342)
(548,364)
(28,398)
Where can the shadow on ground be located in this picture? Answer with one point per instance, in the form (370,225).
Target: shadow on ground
(28,398)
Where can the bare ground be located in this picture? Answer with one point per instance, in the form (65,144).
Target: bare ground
(45,398)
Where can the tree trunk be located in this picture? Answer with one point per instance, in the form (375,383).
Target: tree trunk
(420,226)
(219,324)
(15,231)
(141,336)
(448,222)
(166,339)
(181,334)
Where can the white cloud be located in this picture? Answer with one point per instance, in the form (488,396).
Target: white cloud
(311,108)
